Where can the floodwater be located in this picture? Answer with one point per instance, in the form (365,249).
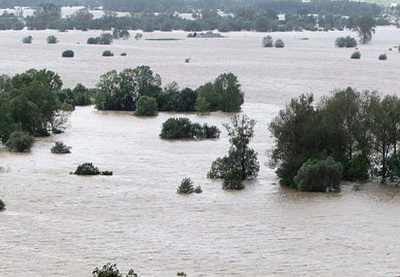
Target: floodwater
(57,224)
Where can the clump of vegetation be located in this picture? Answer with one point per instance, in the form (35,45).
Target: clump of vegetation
(382,57)
(27,40)
(104,38)
(267,41)
(202,107)
(19,142)
(121,34)
(90,169)
(123,54)
(138,36)
(146,106)
(181,274)
(346,42)
(2,205)
(111,270)
(198,190)
(60,148)
(356,55)
(186,186)
(52,39)
(356,187)
(319,175)
(241,162)
(68,54)
(279,43)
(183,128)
(108,53)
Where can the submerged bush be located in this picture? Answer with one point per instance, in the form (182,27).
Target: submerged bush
(52,39)
(27,39)
(19,142)
(279,43)
(90,169)
(186,186)
(267,42)
(108,53)
(146,106)
(356,55)
(2,205)
(319,175)
(60,148)
(183,128)
(346,42)
(68,54)
(111,270)
(382,57)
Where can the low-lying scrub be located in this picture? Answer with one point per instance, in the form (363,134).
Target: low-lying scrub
(2,205)
(183,128)
(356,55)
(346,42)
(60,148)
(68,54)
(90,169)
(20,142)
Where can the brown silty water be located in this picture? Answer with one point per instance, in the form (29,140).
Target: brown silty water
(65,225)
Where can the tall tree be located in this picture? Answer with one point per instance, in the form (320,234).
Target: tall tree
(365,27)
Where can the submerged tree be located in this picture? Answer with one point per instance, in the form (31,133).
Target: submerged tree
(241,162)
(365,27)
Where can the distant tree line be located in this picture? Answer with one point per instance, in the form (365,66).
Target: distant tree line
(259,16)
(349,135)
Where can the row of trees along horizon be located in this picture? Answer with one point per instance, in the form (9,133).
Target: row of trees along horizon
(349,134)
(262,17)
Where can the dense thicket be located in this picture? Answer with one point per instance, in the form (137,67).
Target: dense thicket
(183,128)
(360,131)
(29,102)
(121,90)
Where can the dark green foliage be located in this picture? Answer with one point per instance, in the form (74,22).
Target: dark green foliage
(183,128)
(279,43)
(60,148)
(2,205)
(267,42)
(45,16)
(81,95)
(52,39)
(198,190)
(104,38)
(319,175)
(365,27)
(346,42)
(107,53)
(173,99)
(111,270)
(393,171)
(182,274)
(202,107)
(224,94)
(146,106)
(382,57)
(241,162)
(357,169)
(120,91)
(356,55)
(121,34)
(19,142)
(123,54)
(27,39)
(186,186)
(68,54)
(87,169)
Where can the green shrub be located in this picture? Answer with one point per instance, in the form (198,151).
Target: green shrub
(19,141)
(138,36)
(356,55)
(279,43)
(202,106)
(198,189)
(68,54)
(52,39)
(346,42)
(108,53)
(118,34)
(87,169)
(2,205)
(186,186)
(357,169)
(92,41)
(183,128)
(60,148)
(382,57)
(181,274)
(27,39)
(123,54)
(111,270)
(146,106)
(267,42)
(319,175)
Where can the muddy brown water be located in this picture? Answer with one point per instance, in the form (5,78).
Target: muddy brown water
(57,224)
